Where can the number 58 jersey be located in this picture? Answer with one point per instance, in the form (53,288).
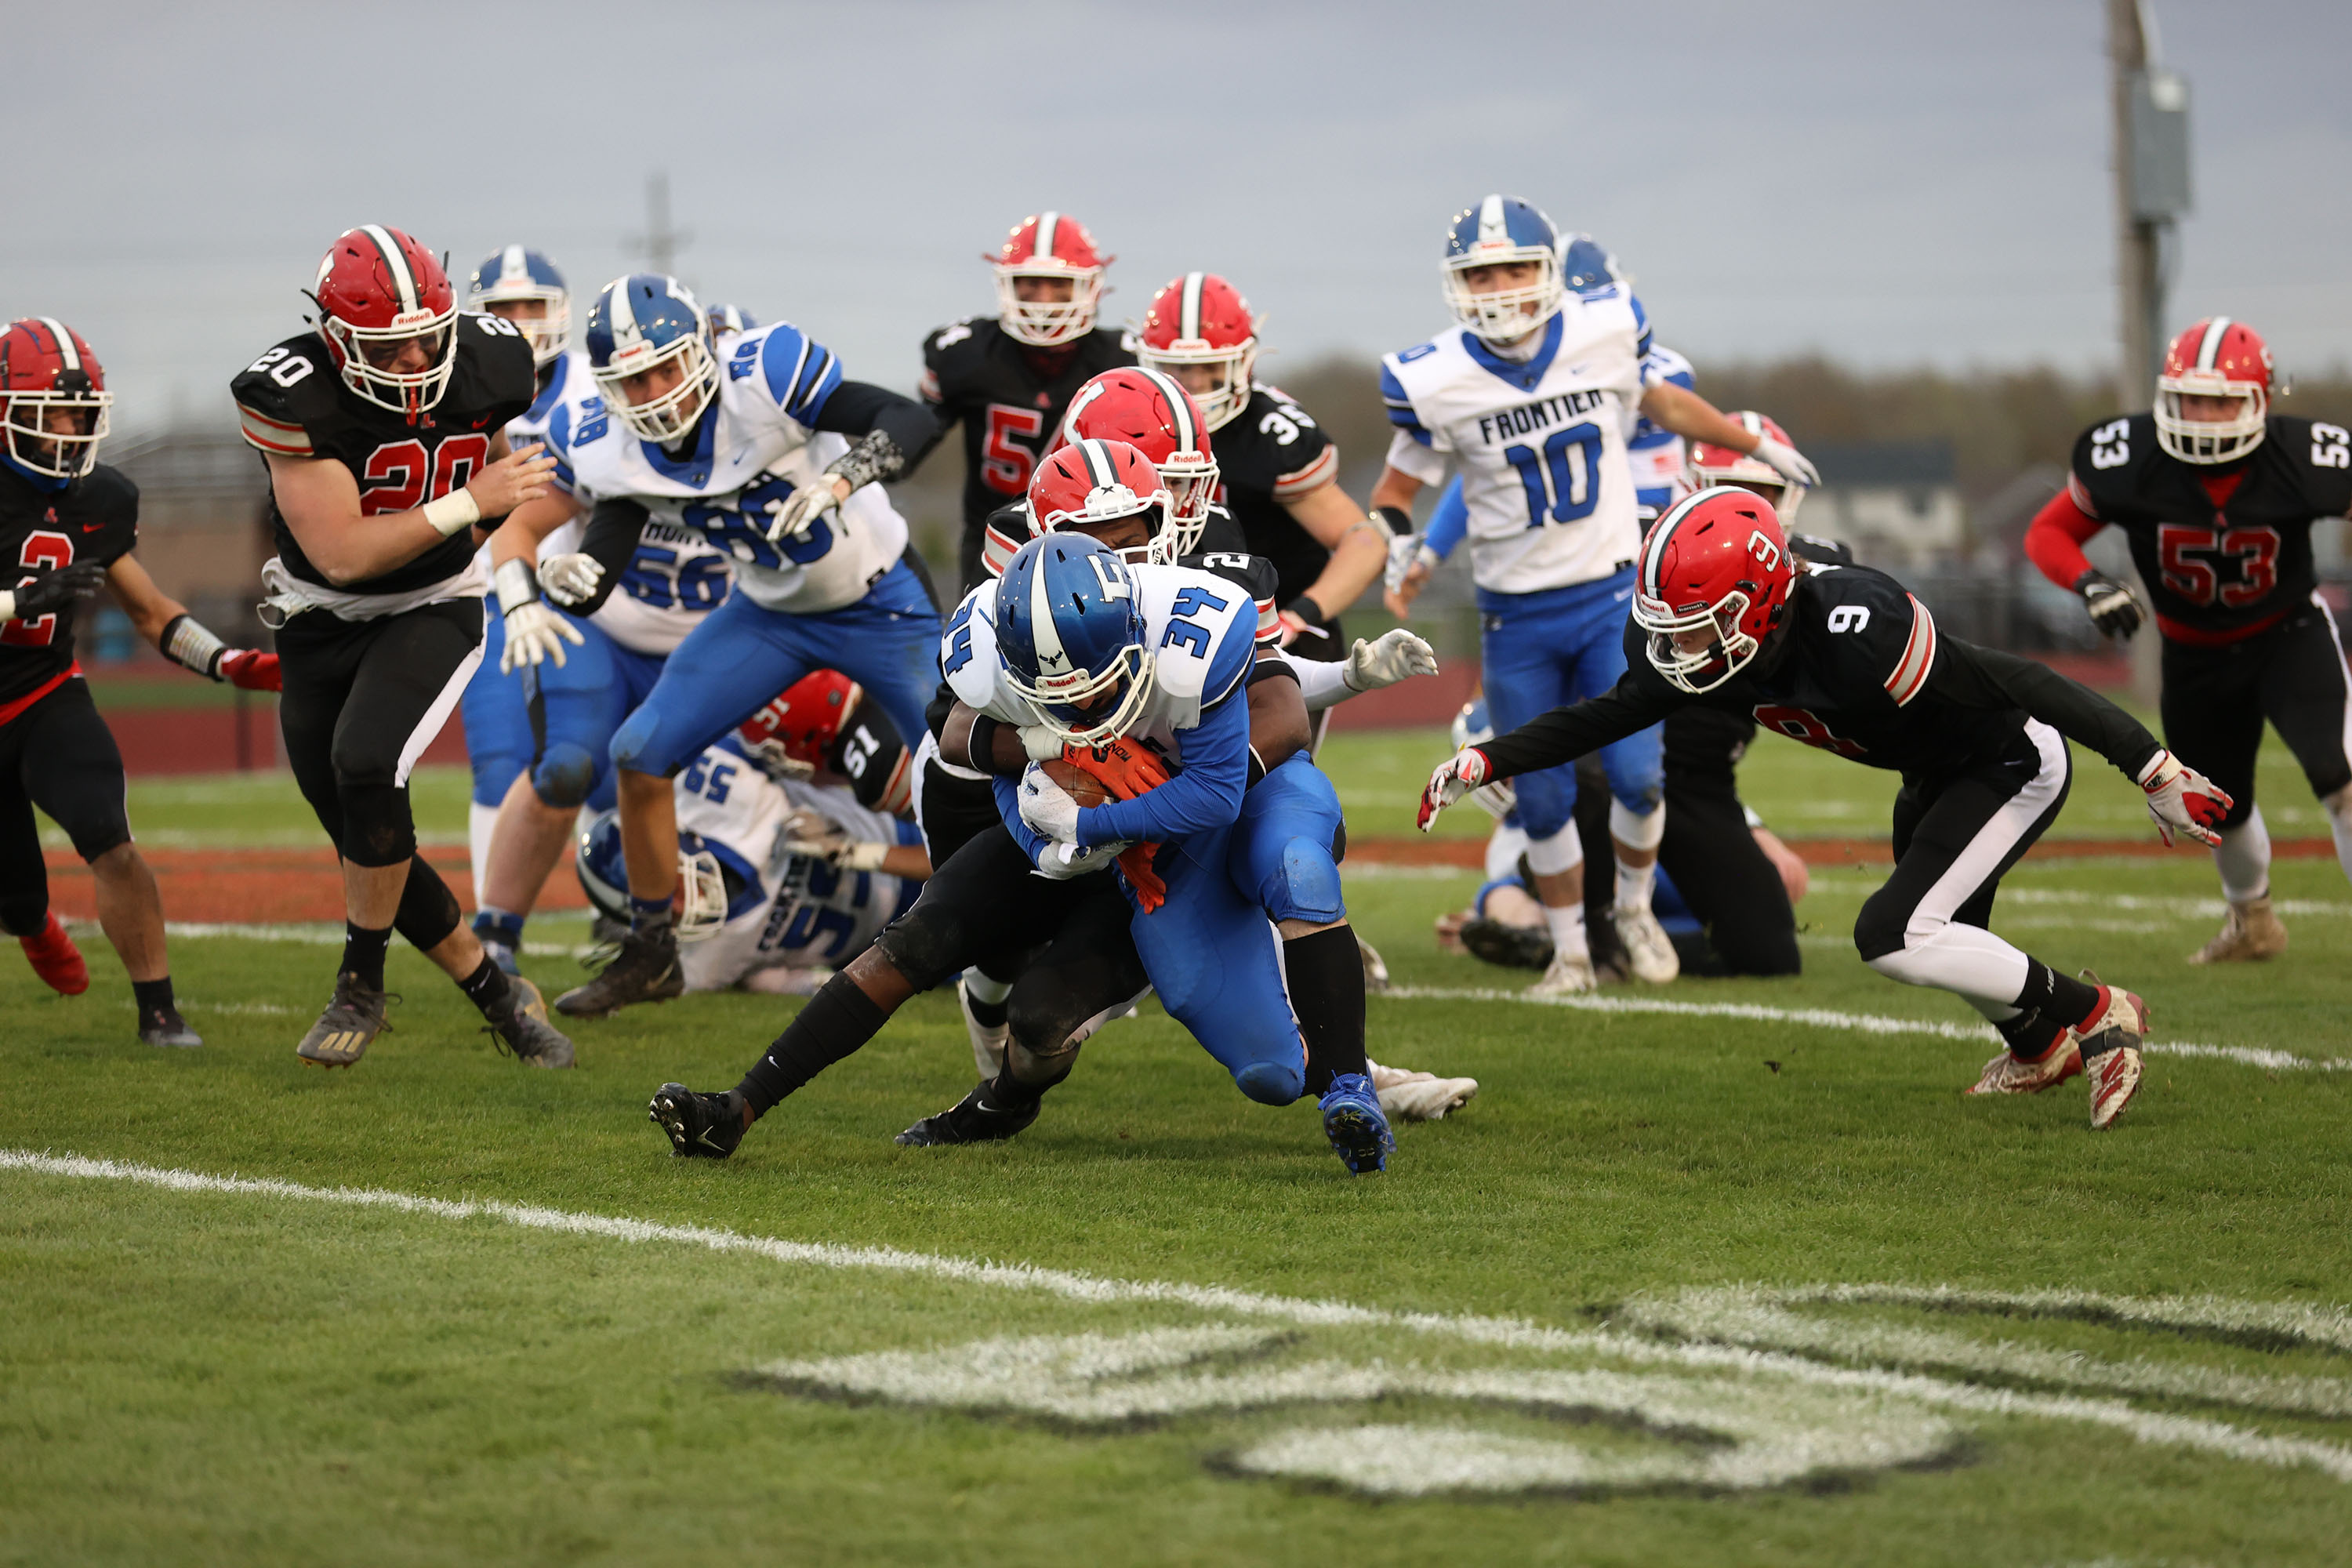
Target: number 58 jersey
(1540,445)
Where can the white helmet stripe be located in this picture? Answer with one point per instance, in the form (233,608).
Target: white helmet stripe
(1189,326)
(398,264)
(1656,544)
(1047,224)
(65,342)
(625,320)
(1188,439)
(512,268)
(2211,349)
(1490,220)
(1099,468)
(1046,635)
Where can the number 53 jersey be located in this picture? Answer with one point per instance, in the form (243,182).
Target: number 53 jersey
(2224,549)
(1540,445)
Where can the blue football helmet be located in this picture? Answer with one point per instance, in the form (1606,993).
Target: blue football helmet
(639,323)
(725,319)
(1502,230)
(1585,267)
(1474,727)
(703,896)
(1070,629)
(513,273)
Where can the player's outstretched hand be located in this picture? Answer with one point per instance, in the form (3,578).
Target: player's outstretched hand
(794,515)
(1456,776)
(252,670)
(517,478)
(1066,862)
(1787,462)
(1048,807)
(1408,573)
(536,634)
(2183,800)
(814,835)
(2114,608)
(571,579)
(46,593)
(1397,656)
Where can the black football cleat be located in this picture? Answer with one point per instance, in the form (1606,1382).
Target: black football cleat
(700,1126)
(971,1119)
(164,1027)
(348,1025)
(1513,947)
(519,1025)
(645,970)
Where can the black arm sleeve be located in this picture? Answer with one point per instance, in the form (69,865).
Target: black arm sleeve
(942,703)
(1967,675)
(857,407)
(612,540)
(1567,733)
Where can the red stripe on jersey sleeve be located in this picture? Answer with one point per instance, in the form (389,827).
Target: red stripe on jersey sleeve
(271,435)
(1270,624)
(1910,677)
(1313,477)
(996,551)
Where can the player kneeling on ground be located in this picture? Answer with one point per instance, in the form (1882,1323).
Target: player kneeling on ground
(1841,658)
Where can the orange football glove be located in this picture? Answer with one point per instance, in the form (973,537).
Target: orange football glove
(1125,768)
(1151,892)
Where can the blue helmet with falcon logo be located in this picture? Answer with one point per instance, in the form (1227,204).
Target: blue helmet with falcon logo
(1070,629)
(511,275)
(1586,268)
(710,893)
(1501,231)
(641,323)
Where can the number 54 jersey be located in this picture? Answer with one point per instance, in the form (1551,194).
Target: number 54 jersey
(2224,549)
(1540,445)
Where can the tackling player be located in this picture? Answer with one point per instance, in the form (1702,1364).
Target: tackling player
(2216,496)
(384,432)
(68,525)
(1841,658)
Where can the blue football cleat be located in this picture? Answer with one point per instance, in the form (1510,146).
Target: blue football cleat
(1354,1122)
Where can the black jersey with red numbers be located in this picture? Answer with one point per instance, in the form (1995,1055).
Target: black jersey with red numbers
(1009,396)
(1268,455)
(1858,669)
(1221,549)
(95,518)
(292,403)
(2217,571)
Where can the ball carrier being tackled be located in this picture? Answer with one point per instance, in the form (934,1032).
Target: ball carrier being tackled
(1841,658)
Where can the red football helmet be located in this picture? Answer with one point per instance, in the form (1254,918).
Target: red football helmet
(2216,358)
(1092,482)
(1202,321)
(45,368)
(1715,581)
(1709,464)
(1152,412)
(1056,246)
(379,291)
(793,733)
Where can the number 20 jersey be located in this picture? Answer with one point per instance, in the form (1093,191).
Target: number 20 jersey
(2217,574)
(1540,445)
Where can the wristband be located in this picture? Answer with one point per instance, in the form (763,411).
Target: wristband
(517,585)
(188,644)
(8,605)
(864,856)
(451,513)
(1395,518)
(982,744)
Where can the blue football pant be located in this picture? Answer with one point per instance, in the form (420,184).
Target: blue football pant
(1539,659)
(498,718)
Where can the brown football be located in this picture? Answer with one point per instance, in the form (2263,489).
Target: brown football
(1079,784)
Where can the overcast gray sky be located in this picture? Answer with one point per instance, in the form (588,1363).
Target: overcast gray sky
(1890,182)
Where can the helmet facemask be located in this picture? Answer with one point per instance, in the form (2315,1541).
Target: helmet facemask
(2209,440)
(1086,708)
(1220,394)
(367,358)
(36,447)
(548,334)
(669,417)
(1725,654)
(1504,315)
(701,895)
(1047,323)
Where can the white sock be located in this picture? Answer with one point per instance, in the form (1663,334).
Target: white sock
(1635,884)
(481,821)
(1567,923)
(2243,858)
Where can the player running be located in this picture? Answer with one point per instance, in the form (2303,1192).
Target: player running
(68,525)
(1530,397)
(1841,658)
(2216,496)
(383,431)
(756,456)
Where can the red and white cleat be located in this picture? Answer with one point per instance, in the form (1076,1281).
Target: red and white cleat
(2008,1074)
(55,959)
(2110,1044)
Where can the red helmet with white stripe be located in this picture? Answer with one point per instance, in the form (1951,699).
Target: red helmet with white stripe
(1152,412)
(2216,360)
(54,404)
(1198,330)
(799,725)
(1053,247)
(1709,464)
(1715,577)
(1092,482)
(388,315)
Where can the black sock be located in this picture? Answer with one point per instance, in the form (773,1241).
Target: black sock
(1327,992)
(2030,1036)
(2069,1002)
(487,986)
(837,1020)
(153,996)
(364,951)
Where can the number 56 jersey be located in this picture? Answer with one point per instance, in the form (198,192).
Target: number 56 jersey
(1540,445)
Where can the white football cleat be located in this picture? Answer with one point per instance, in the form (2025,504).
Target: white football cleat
(2010,1074)
(1419,1096)
(987,1043)
(1570,974)
(2110,1044)
(1648,949)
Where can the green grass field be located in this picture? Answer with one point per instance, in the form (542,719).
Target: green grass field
(1202,1343)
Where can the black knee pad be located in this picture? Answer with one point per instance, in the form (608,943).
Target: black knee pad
(1041,1018)
(1878,930)
(925,945)
(377,829)
(428,910)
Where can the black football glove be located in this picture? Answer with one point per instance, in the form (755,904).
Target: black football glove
(49,591)
(2114,608)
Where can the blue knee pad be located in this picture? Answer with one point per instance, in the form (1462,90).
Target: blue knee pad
(565,774)
(1637,767)
(1284,844)
(635,741)
(1271,1083)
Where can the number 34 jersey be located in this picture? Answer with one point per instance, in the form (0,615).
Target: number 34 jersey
(1540,445)
(2224,549)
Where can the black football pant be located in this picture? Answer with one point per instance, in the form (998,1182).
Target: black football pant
(2215,699)
(60,755)
(361,701)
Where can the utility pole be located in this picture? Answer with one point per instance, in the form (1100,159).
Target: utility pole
(660,243)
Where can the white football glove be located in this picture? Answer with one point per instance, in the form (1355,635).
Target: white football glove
(571,579)
(1397,656)
(794,516)
(1455,777)
(534,635)
(1048,807)
(1043,742)
(1787,462)
(820,838)
(1405,551)
(2182,800)
(1063,862)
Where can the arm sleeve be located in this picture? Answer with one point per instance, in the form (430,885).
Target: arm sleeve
(1567,733)
(1449,522)
(2055,540)
(612,540)
(857,407)
(1322,682)
(1971,676)
(1206,795)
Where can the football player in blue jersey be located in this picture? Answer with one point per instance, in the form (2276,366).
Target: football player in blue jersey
(772,458)
(1530,397)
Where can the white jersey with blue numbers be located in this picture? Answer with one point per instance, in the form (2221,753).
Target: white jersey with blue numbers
(1201,628)
(1657,454)
(1540,445)
(759,445)
(784,910)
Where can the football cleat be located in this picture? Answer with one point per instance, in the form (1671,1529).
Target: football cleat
(348,1025)
(1413,1096)
(700,1126)
(1376,968)
(518,1024)
(1570,974)
(55,959)
(2010,1074)
(971,1119)
(2110,1043)
(1649,952)
(1513,947)
(987,1039)
(1357,1127)
(2115,1078)
(164,1027)
(2251,933)
(645,970)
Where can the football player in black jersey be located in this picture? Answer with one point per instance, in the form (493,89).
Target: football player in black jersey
(2216,496)
(1007,378)
(68,524)
(1841,658)
(383,430)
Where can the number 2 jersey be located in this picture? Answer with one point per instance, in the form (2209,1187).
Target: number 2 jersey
(94,518)
(2224,548)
